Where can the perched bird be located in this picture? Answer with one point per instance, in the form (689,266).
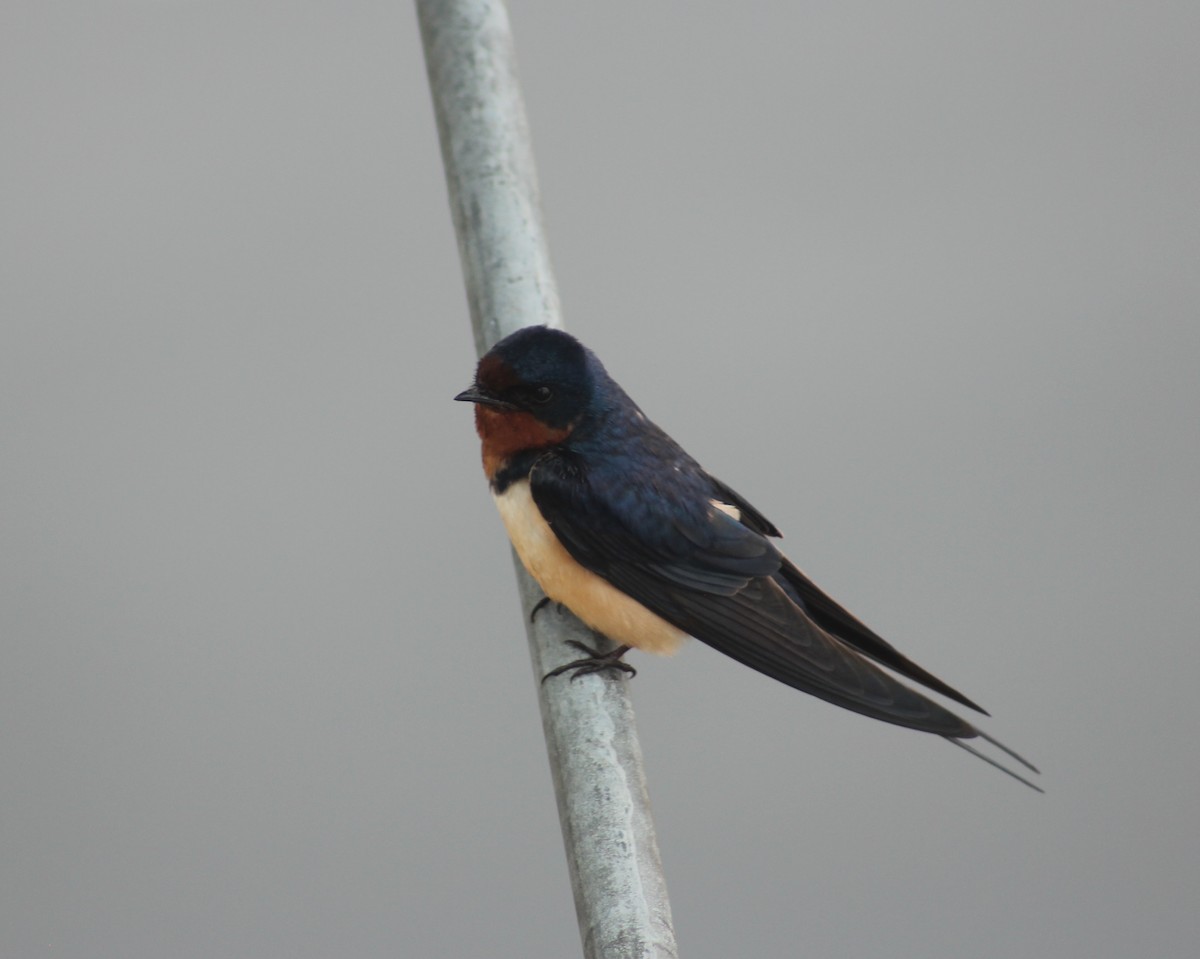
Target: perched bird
(620,525)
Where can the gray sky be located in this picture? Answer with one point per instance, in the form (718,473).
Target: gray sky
(918,280)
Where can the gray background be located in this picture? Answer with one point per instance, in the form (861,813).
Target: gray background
(920,280)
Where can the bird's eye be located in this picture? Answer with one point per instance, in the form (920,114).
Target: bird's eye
(541,394)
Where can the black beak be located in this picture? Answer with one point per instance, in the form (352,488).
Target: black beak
(477,394)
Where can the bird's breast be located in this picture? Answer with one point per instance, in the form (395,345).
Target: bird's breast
(590,597)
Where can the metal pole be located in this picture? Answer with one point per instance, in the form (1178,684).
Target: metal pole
(616,874)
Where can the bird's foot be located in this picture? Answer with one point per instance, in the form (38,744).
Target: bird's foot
(595,662)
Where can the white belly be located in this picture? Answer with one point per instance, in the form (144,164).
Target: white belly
(595,601)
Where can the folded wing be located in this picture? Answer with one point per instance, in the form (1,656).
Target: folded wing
(723,582)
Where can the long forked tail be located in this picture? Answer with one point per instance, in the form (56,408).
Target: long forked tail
(999,765)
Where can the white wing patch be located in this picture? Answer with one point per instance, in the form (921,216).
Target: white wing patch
(727,509)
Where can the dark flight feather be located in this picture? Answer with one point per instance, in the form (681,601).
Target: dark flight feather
(831,615)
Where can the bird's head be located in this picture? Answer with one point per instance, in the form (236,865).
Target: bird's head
(530,391)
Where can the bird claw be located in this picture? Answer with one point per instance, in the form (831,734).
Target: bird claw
(542,604)
(595,662)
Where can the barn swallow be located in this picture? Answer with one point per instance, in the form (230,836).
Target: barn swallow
(620,525)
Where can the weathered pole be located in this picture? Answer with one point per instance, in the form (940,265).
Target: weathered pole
(616,874)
